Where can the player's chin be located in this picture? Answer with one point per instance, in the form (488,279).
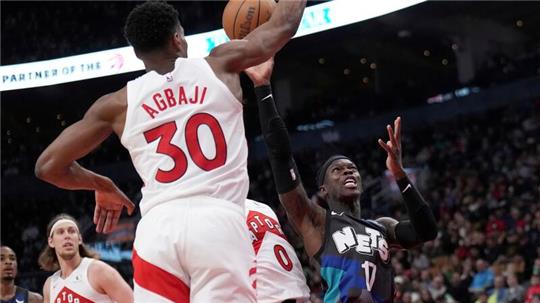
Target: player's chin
(350,193)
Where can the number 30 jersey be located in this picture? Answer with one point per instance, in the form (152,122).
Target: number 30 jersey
(279,275)
(355,260)
(185,134)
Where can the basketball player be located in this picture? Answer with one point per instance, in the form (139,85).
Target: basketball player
(353,252)
(279,276)
(10,292)
(182,124)
(78,277)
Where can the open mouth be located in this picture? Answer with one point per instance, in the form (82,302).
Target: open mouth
(68,245)
(350,182)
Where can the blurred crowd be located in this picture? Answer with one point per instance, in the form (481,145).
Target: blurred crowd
(483,182)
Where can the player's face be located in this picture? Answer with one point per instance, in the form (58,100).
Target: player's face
(8,271)
(343,180)
(65,240)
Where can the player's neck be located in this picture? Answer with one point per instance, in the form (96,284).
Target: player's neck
(68,266)
(351,208)
(159,63)
(7,289)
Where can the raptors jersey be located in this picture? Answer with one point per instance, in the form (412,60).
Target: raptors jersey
(75,288)
(185,133)
(355,260)
(279,274)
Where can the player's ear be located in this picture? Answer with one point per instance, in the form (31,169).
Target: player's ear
(323,192)
(50,242)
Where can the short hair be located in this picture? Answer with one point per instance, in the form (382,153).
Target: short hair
(150,25)
(321,172)
(48,259)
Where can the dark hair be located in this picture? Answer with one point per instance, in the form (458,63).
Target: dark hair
(321,172)
(48,259)
(150,25)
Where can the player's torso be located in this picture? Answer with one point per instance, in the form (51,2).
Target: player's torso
(185,134)
(279,273)
(21,296)
(355,261)
(75,288)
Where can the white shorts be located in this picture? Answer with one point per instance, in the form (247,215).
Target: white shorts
(195,250)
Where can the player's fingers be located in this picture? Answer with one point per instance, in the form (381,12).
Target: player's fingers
(391,135)
(384,146)
(108,222)
(129,205)
(397,128)
(97,210)
(101,220)
(116,217)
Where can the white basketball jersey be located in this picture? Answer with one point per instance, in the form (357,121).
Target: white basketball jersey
(185,133)
(279,273)
(75,288)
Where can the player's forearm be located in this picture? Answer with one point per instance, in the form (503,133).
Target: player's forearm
(69,176)
(287,15)
(277,141)
(422,226)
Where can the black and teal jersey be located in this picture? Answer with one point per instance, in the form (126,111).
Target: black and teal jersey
(355,260)
(21,296)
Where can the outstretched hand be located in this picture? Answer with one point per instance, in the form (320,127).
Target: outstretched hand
(260,74)
(393,149)
(109,205)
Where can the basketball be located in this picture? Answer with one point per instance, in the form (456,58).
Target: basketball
(240,17)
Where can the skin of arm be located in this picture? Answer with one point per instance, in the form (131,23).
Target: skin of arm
(262,43)
(57,164)
(105,279)
(46,288)
(410,237)
(34,297)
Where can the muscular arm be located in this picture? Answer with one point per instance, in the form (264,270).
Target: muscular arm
(307,218)
(263,42)
(421,226)
(57,164)
(106,279)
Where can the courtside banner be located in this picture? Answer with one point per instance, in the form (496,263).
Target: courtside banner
(116,61)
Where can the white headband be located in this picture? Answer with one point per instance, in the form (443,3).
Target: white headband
(55,225)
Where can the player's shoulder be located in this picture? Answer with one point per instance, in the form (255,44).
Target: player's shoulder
(381,224)
(259,206)
(34,297)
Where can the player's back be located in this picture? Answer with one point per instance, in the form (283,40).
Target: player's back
(185,133)
(279,274)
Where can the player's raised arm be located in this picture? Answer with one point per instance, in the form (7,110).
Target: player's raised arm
(306,217)
(421,226)
(263,42)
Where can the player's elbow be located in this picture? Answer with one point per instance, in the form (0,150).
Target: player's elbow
(45,168)
(430,234)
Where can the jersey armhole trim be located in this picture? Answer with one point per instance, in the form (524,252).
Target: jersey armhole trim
(238,103)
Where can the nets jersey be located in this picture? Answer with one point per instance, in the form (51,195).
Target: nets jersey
(185,134)
(75,288)
(279,274)
(355,260)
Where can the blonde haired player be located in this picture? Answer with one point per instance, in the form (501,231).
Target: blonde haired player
(79,278)
(279,276)
(182,123)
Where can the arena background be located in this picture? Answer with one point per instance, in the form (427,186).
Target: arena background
(465,77)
